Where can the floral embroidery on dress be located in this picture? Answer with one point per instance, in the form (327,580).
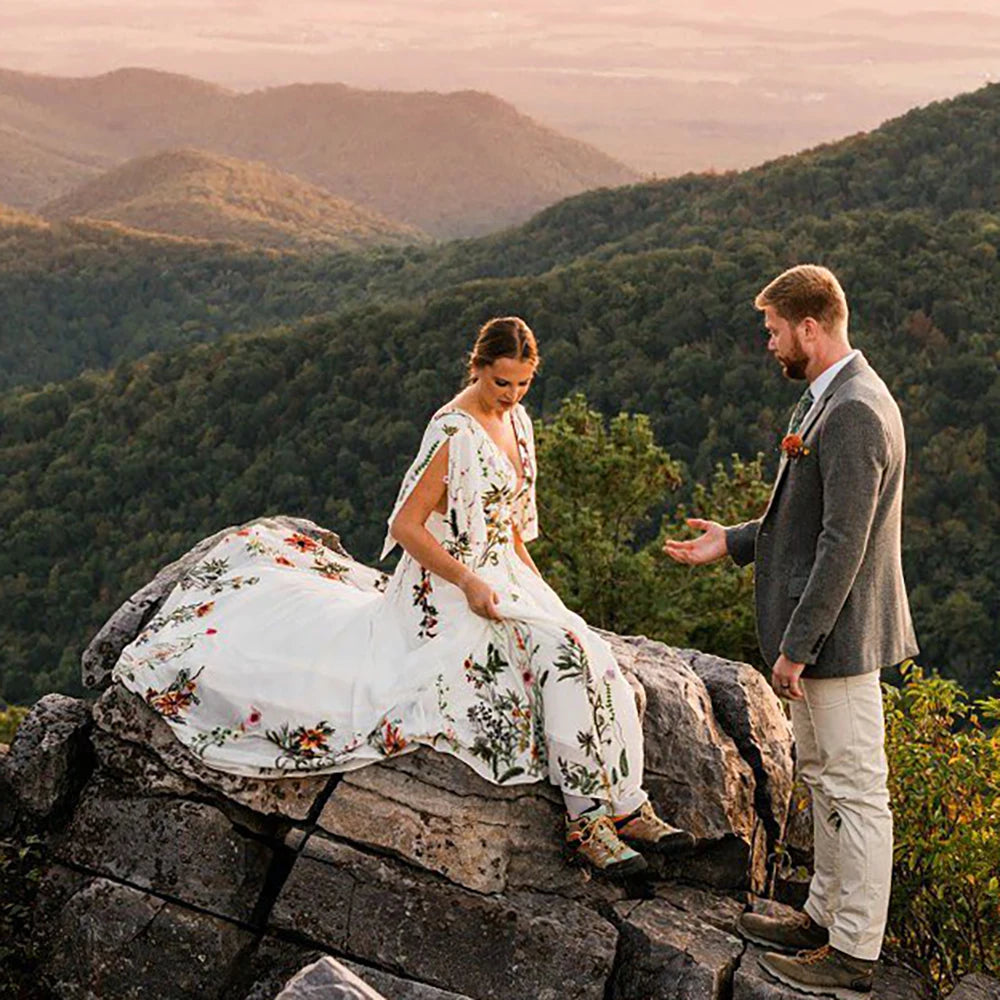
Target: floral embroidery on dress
(422,591)
(301,542)
(330,569)
(176,698)
(387,737)
(182,614)
(322,561)
(573,664)
(303,746)
(220,735)
(211,576)
(503,718)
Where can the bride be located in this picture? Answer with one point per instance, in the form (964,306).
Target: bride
(275,655)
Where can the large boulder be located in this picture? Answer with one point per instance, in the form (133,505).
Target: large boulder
(50,756)
(141,741)
(116,942)
(747,710)
(396,917)
(695,773)
(327,979)
(667,951)
(189,849)
(976,986)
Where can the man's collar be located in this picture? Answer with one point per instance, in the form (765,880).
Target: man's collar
(821,382)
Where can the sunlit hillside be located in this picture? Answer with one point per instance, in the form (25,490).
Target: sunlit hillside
(206,196)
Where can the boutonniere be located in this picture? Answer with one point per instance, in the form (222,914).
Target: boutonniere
(793,446)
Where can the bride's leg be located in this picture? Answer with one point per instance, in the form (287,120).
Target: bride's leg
(577,805)
(629,802)
(587,711)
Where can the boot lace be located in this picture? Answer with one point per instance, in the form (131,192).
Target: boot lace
(815,956)
(602,831)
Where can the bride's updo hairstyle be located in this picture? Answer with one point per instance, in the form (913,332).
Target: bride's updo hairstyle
(503,337)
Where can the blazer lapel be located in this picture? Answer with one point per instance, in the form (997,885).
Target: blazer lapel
(852,368)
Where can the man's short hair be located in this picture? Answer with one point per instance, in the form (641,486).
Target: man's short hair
(807,290)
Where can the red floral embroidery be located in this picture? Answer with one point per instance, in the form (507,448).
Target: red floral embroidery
(392,739)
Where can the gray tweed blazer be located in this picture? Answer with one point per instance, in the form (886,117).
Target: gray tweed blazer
(828,580)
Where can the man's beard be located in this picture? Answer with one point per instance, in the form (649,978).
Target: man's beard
(794,365)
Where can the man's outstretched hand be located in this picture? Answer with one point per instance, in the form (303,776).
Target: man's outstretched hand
(706,548)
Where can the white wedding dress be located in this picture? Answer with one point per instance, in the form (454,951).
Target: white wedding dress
(277,656)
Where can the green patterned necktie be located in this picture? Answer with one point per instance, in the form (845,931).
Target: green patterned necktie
(802,407)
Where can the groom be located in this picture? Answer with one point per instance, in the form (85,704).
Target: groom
(831,611)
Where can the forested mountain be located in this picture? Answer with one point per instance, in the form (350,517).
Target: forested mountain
(189,192)
(105,477)
(939,159)
(449,164)
(85,294)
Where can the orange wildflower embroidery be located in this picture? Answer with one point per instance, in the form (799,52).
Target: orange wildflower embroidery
(393,740)
(203,609)
(174,700)
(302,542)
(312,739)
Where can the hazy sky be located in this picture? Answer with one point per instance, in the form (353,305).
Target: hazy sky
(648,80)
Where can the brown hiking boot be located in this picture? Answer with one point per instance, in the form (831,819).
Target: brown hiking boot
(643,828)
(825,970)
(795,932)
(594,840)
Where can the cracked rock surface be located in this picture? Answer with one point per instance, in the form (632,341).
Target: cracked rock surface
(421,880)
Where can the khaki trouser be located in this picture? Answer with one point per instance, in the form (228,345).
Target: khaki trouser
(839,738)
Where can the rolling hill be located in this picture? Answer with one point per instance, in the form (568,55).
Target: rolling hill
(210,197)
(454,164)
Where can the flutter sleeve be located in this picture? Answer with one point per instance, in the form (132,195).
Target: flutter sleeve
(527,510)
(465,524)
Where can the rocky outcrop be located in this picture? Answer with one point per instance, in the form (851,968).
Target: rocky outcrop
(976,987)
(327,979)
(415,874)
(51,756)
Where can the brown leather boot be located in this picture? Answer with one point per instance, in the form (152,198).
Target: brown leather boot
(825,971)
(795,932)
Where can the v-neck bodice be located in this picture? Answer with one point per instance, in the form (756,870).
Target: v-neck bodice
(522,475)
(489,502)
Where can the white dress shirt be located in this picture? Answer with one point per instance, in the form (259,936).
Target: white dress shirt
(821,382)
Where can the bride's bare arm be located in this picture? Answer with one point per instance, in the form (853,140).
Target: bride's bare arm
(409,529)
